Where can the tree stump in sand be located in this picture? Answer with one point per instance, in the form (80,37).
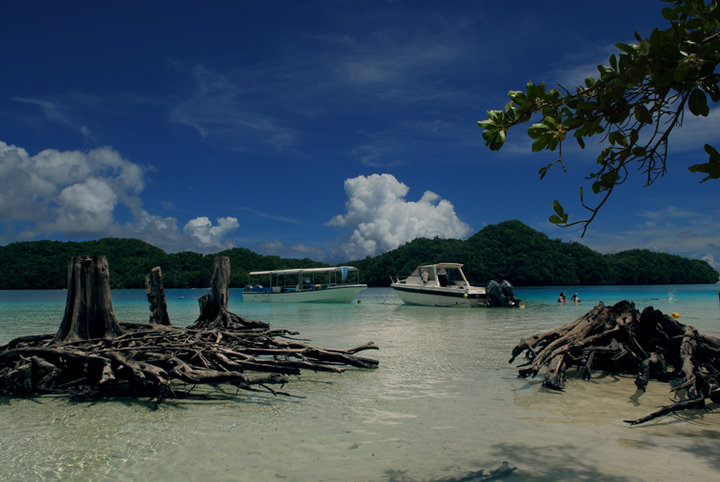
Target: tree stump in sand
(214,311)
(94,355)
(156,297)
(88,311)
(619,339)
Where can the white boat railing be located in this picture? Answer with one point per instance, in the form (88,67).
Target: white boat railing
(302,279)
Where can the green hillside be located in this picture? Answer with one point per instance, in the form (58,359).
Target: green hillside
(508,250)
(525,257)
(43,264)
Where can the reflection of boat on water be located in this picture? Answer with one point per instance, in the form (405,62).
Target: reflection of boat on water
(445,284)
(338,284)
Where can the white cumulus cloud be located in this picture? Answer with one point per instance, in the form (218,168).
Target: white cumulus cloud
(86,207)
(69,191)
(207,235)
(75,193)
(380,218)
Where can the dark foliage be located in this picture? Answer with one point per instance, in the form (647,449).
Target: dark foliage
(513,251)
(508,250)
(42,264)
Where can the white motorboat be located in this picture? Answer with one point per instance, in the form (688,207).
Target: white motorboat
(445,284)
(442,284)
(338,284)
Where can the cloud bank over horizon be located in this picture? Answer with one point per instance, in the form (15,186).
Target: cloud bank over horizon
(79,195)
(381,219)
(95,194)
(82,195)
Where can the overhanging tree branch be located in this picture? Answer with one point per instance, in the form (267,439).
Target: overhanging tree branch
(635,104)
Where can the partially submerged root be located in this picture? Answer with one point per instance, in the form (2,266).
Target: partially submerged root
(153,361)
(619,339)
(92,354)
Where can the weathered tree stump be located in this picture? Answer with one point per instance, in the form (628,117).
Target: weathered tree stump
(619,339)
(214,311)
(88,311)
(156,296)
(94,355)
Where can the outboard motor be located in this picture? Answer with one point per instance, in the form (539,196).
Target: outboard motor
(501,294)
(494,293)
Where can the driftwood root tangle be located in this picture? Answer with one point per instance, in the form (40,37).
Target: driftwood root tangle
(619,339)
(92,354)
(159,362)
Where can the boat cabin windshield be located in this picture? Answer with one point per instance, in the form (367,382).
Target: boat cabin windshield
(440,275)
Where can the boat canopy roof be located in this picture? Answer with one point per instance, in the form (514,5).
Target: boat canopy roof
(331,269)
(443,265)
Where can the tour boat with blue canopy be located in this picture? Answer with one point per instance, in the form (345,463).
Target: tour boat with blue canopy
(336,284)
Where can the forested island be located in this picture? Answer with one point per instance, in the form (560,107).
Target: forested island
(508,250)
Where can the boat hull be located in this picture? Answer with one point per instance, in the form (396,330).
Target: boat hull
(439,296)
(332,294)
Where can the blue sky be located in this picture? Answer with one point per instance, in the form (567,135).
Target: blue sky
(327,129)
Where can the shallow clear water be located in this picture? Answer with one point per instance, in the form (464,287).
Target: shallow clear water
(443,403)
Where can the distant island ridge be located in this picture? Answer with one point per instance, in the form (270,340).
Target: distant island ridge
(509,251)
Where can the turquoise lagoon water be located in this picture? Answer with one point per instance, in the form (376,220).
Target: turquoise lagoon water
(444,401)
